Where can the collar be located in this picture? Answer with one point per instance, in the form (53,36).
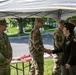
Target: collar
(70,36)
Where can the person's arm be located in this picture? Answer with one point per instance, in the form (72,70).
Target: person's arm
(8,49)
(57,51)
(37,42)
(10,52)
(2,58)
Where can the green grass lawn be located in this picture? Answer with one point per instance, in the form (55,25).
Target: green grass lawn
(48,66)
(12,30)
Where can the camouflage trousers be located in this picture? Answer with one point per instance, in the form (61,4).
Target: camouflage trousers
(57,67)
(5,70)
(37,66)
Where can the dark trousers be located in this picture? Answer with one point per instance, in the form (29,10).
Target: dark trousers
(70,71)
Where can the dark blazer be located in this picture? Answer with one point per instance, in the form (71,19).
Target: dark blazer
(69,51)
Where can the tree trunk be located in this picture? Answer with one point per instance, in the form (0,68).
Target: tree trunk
(20,25)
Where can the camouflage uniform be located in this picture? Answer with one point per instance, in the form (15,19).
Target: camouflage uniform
(5,53)
(37,51)
(58,40)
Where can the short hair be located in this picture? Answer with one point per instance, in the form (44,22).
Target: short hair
(39,20)
(72,20)
(69,26)
(61,21)
(3,22)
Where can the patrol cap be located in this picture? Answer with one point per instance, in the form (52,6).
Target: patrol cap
(72,20)
(61,21)
(39,20)
(3,22)
(69,26)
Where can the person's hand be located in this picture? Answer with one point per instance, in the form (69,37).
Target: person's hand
(49,51)
(67,66)
(7,61)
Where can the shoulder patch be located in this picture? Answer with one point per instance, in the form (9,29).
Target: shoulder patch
(35,32)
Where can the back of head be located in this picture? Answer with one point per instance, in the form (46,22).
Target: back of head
(39,20)
(69,26)
(61,24)
(3,22)
(73,21)
(61,21)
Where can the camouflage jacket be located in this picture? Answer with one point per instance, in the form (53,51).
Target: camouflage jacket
(58,39)
(36,43)
(5,48)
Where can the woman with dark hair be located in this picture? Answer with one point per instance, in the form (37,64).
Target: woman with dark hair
(68,49)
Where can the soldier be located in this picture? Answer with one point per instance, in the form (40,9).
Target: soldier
(37,49)
(5,50)
(58,41)
(73,21)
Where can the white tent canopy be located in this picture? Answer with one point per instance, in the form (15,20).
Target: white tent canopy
(37,8)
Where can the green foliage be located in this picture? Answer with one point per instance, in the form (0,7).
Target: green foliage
(28,28)
(12,22)
(28,21)
(25,22)
(14,31)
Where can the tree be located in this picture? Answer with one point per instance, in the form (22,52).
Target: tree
(20,25)
(32,21)
(12,22)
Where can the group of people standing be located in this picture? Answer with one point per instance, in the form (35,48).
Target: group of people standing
(65,42)
(64,49)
